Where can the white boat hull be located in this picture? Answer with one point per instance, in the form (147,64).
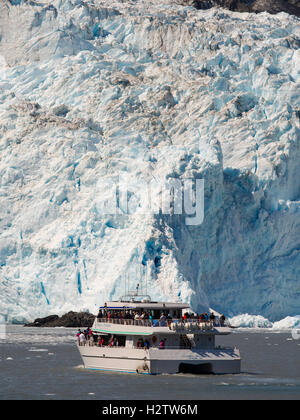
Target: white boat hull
(157,361)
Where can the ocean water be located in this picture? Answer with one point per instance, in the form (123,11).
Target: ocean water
(44,364)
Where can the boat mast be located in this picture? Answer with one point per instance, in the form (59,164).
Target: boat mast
(147,279)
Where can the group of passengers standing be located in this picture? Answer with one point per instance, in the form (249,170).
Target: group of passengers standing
(205,318)
(163,320)
(85,336)
(124,315)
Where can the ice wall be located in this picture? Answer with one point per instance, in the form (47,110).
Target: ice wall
(94,90)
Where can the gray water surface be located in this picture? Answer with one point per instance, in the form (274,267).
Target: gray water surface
(44,364)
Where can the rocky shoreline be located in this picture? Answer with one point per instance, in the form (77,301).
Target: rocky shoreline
(251,6)
(70,319)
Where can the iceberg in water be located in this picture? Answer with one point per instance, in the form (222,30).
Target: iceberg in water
(258,321)
(98,94)
(250,321)
(287,323)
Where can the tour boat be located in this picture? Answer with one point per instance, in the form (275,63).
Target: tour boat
(138,335)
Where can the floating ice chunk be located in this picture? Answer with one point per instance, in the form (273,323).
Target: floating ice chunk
(287,323)
(37,350)
(250,321)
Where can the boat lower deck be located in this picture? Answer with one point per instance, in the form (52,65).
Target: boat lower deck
(157,361)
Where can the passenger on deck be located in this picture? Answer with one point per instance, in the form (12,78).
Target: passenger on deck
(162,343)
(146,344)
(91,338)
(140,343)
(82,339)
(169,320)
(101,341)
(127,316)
(222,320)
(142,315)
(78,335)
(212,318)
(186,316)
(162,320)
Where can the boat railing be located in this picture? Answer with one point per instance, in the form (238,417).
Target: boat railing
(217,348)
(174,324)
(93,344)
(117,346)
(225,348)
(204,350)
(123,321)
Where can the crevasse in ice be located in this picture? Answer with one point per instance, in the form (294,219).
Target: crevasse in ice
(95,91)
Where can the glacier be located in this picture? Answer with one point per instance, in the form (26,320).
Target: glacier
(252,321)
(258,322)
(91,91)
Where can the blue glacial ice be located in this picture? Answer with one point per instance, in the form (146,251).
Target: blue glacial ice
(94,90)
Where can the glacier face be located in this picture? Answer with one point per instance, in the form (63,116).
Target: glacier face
(94,90)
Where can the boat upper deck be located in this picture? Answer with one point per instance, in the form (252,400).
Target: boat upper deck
(150,327)
(141,305)
(138,314)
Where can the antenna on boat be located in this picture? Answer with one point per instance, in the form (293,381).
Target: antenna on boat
(142,278)
(133,295)
(125,284)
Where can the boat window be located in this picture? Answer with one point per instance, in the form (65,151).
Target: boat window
(105,339)
(121,340)
(157,314)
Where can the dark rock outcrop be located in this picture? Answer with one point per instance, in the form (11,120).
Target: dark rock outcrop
(272,6)
(71,319)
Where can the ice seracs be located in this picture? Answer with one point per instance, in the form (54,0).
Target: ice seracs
(94,90)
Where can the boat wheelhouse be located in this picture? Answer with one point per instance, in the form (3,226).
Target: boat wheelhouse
(138,335)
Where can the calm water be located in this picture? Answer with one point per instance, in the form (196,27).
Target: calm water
(45,364)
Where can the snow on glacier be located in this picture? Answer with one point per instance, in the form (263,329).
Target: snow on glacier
(250,321)
(259,322)
(94,90)
(287,323)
